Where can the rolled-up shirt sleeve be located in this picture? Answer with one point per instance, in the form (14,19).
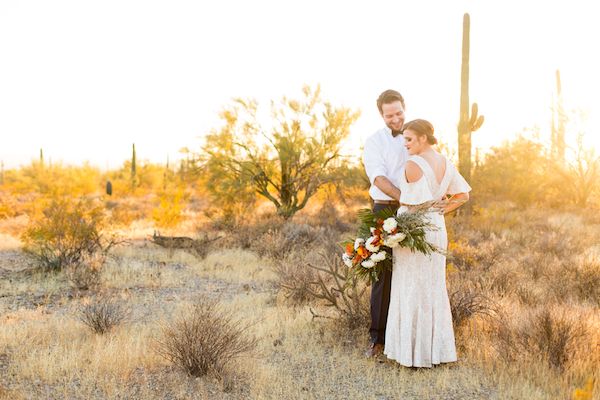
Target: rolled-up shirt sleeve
(373,160)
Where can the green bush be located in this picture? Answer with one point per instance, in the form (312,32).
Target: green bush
(66,232)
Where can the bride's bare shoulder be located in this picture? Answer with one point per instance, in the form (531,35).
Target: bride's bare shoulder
(412,171)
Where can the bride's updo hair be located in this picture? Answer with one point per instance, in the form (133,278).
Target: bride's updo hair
(422,128)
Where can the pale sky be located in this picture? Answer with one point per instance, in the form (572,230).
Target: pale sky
(85,79)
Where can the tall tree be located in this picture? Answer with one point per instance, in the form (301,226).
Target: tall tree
(285,160)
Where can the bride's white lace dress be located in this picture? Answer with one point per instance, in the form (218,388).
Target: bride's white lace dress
(419,329)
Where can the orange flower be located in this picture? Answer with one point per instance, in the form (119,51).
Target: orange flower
(377,241)
(364,253)
(349,249)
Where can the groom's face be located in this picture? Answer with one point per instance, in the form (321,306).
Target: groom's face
(393,115)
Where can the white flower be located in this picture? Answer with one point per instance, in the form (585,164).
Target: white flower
(372,229)
(368,264)
(347,260)
(390,224)
(358,242)
(378,256)
(393,240)
(390,243)
(369,245)
(398,237)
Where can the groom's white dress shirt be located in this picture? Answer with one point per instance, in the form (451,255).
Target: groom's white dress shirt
(384,155)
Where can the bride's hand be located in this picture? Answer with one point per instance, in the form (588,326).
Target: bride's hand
(440,205)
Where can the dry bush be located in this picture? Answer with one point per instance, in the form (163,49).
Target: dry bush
(171,203)
(545,334)
(103,314)
(587,281)
(278,244)
(8,206)
(247,235)
(272,237)
(466,303)
(295,279)
(336,287)
(124,212)
(330,218)
(66,232)
(206,339)
(86,274)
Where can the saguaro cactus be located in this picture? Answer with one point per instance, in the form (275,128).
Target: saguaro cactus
(133,178)
(558,123)
(468,123)
(133,162)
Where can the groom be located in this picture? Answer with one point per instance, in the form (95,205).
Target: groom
(384,155)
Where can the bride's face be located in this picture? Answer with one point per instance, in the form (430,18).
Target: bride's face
(414,144)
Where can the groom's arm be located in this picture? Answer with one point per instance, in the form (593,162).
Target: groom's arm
(387,187)
(376,170)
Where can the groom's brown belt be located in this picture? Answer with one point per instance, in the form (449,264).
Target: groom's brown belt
(390,202)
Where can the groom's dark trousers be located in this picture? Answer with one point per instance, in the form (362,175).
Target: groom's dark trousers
(380,292)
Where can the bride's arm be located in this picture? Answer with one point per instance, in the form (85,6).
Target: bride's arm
(456,201)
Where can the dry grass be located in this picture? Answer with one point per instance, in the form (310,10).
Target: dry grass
(538,272)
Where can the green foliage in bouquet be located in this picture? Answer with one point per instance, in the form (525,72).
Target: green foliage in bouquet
(413,224)
(381,231)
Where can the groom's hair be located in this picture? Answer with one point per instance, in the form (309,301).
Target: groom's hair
(387,97)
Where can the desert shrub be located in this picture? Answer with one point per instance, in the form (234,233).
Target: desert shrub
(336,287)
(587,281)
(86,273)
(548,335)
(169,211)
(123,212)
(8,206)
(331,219)
(466,303)
(295,280)
(248,235)
(66,232)
(54,179)
(461,255)
(508,171)
(103,314)
(553,335)
(206,339)
(279,243)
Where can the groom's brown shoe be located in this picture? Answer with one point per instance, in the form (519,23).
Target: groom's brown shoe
(374,350)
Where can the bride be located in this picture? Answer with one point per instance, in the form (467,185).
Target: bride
(419,329)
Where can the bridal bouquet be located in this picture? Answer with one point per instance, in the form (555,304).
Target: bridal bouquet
(382,231)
